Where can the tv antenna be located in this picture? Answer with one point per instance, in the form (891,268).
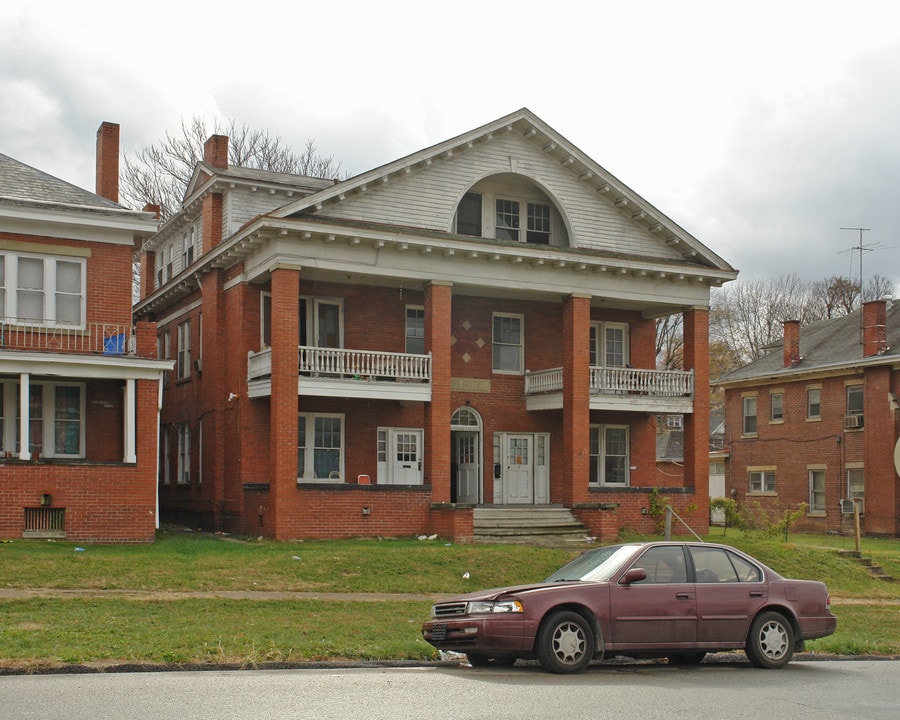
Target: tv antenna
(860,248)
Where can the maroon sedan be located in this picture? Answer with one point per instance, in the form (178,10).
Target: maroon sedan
(660,599)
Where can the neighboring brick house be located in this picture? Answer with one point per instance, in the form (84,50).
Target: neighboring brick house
(815,421)
(76,381)
(472,324)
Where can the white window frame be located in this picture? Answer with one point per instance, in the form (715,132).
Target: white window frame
(9,288)
(855,389)
(817,507)
(599,340)
(856,485)
(183,364)
(183,473)
(746,414)
(761,481)
(521,217)
(598,455)
(810,404)
(520,370)
(308,473)
(312,319)
(773,417)
(9,427)
(187,247)
(418,309)
(165,470)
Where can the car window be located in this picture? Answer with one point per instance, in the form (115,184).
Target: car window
(664,564)
(712,565)
(746,571)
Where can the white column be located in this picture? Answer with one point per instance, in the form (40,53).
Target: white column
(130,421)
(24,418)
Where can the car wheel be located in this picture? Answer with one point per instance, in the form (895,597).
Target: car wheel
(771,641)
(565,643)
(687,658)
(476,660)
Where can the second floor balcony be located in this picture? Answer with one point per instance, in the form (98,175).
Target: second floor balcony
(617,388)
(85,338)
(343,372)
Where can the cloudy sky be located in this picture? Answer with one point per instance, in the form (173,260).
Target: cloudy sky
(762,128)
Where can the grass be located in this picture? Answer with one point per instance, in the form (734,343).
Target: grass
(43,632)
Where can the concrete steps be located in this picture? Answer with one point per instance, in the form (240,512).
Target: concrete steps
(529,525)
(875,570)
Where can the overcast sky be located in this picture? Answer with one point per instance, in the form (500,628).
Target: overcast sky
(762,128)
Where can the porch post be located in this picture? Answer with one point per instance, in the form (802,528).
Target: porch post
(438,301)
(24,419)
(576,401)
(283,401)
(130,421)
(696,424)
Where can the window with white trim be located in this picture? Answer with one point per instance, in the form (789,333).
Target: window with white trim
(776,406)
(609,462)
(165,474)
(525,218)
(748,422)
(183,363)
(856,482)
(415,329)
(817,490)
(608,344)
(56,414)
(187,247)
(184,453)
(813,403)
(761,481)
(42,289)
(854,400)
(320,446)
(322,322)
(508,343)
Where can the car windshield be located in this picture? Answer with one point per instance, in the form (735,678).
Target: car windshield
(596,565)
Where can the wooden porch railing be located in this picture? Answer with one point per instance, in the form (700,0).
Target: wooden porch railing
(348,364)
(96,337)
(618,381)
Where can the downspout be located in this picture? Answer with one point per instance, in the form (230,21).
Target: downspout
(158,417)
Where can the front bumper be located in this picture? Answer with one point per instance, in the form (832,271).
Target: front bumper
(484,634)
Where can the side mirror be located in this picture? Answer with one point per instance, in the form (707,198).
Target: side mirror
(633,575)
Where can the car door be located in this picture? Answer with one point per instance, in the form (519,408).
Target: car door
(659,611)
(730,590)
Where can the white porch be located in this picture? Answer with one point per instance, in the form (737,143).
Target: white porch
(617,388)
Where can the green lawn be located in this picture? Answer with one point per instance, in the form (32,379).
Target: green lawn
(53,631)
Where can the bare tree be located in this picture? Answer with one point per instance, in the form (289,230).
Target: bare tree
(670,342)
(877,287)
(160,173)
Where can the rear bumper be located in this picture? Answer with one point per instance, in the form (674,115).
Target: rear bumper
(817,627)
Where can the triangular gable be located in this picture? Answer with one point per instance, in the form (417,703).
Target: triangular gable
(614,218)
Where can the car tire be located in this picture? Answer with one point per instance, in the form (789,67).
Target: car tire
(687,658)
(565,642)
(770,643)
(476,660)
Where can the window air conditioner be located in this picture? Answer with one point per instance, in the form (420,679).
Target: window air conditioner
(853,421)
(848,503)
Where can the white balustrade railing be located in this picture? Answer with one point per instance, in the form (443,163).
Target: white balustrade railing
(95,337)
(618,381)
(349,364)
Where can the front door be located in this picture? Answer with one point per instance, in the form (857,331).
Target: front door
(519,480)
(406,457)
(465,448)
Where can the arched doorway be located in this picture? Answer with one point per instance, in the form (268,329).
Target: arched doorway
(465,444)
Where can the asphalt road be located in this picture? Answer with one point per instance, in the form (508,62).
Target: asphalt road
(813,690)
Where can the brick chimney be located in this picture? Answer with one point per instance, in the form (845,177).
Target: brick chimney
(791,342)
(108,161)
(215,151)
(874,327)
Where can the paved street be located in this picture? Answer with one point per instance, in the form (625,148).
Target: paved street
(813,690)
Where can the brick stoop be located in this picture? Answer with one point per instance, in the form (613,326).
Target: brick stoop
(529,525)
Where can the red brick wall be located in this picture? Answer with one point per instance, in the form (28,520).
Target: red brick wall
(794,444)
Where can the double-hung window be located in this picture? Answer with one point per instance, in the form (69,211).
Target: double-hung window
(817,490)
(320,445)
(42,289)
(184,350)
(813,403)
(762,481)
(748,426)
(776,406)
(184,454)
(508,343)
(609,462)
(854,400)
(415,330)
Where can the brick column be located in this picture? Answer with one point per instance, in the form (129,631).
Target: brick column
(212,392)
(438,301)
(576,401)
(696,424)
(283,402)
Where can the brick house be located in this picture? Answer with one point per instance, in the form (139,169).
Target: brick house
(77,382)
(472,324)
(815,421)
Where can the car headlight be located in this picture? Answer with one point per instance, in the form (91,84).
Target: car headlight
(500,606)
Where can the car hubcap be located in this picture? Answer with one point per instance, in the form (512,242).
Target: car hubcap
(568,642)
(773,640)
